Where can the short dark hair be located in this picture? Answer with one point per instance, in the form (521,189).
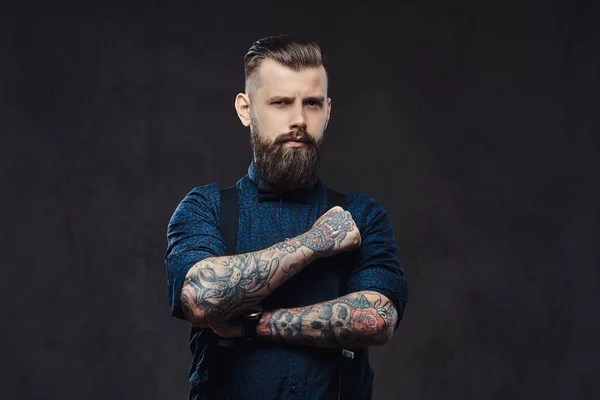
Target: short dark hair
(294,53)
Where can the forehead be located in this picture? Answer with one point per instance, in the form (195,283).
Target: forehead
(276,79)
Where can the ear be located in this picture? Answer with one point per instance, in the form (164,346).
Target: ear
(328,111)
(242,106)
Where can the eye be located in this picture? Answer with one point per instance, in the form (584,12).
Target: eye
(314,103)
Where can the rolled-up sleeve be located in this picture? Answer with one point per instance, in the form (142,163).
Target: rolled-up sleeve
(192,235)
(376,264)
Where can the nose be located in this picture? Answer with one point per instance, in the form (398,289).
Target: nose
(298,118)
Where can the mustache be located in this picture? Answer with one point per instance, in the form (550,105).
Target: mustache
(300,135)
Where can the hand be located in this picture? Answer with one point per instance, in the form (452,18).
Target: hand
(227,330)
(335,232)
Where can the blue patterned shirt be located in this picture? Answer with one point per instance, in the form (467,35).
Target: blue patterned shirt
(266,370)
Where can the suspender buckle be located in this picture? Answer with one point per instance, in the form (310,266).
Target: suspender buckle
(348,354)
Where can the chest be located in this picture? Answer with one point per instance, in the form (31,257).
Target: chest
(271,223)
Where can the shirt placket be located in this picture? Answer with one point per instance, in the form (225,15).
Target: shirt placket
(293,391)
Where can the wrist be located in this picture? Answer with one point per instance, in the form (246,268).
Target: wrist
(302,247)
(262,329)
(313,246)
(250,323)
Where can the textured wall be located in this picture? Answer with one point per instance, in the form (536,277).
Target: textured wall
(476,126)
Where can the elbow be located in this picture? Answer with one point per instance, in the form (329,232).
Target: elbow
(389,325)
(194,305)
(386,332)
(191,307)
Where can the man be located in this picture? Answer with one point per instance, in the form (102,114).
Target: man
(327,279)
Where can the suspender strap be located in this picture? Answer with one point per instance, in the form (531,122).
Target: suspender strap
(229,217)
(229,227)
(346,357)
(335,199)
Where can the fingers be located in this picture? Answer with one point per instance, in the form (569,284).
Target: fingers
(338,209)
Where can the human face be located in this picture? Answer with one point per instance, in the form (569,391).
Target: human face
(286,100)
(287,114)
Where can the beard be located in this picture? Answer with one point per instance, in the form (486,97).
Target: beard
(286,167)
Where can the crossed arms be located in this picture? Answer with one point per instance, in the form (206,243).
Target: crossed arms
(217,289)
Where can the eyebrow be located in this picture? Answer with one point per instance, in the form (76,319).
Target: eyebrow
(319,99)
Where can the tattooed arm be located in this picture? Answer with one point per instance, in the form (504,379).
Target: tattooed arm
(218,288)
(356,320)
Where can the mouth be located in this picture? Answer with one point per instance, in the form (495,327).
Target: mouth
(294,143)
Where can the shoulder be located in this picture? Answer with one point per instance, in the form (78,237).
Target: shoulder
(201,200)
(204,194)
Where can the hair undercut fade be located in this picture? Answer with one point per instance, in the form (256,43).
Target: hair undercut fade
(294,53)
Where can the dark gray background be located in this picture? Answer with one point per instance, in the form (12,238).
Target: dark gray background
(475,125)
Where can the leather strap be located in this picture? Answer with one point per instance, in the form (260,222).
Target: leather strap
(229,217)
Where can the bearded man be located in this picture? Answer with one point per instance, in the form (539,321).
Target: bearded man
(285,282)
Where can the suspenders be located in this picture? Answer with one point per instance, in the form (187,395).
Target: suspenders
(229,229)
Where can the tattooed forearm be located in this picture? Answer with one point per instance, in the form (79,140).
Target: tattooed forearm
(356,320)
(221,287)
(329,231)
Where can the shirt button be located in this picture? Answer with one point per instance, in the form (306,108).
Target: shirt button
(293,388)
